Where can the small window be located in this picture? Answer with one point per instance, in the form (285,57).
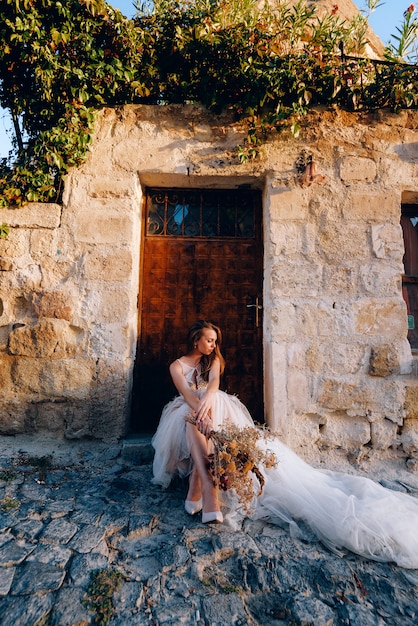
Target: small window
(409,223)
(200,213)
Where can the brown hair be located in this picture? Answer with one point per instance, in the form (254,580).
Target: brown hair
(194,334)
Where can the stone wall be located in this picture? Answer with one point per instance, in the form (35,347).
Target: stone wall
(338,366)
(68,311)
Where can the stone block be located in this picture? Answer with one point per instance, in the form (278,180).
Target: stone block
(314,319)
(50,418)
(296,279)
(7,316)
(283,318)
(6,580)
(275,387)
(4,337)
(387,242)
(15,552)
(6,363)
(58,531)
(103,227)
(116,306)
(50,338)
(104,187)
(87,539)
(61,378)
(35,607)
(21,308)
(363,397)
(298,390)
(339,241)
(406,362)
(411,402)
(381,279)
(76,416)
(52,554)
(28,277)
(110,401)
(230,606)
(54,304)
(292,239)
(12,420)
(104,206)
(354,169)
(288,204)
(384,361)
(409,437)
(341,395)
(107,265)
(116,340)
(373,206)
(383,317)
(15,245)
(42,244)
(33,215)
(306,435)
(340,280)
(342,431)
(383,434)
(335,358)
(37,578)
(137,450)
(70,607)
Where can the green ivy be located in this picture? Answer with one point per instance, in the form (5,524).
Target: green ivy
(4,231)
(61,61)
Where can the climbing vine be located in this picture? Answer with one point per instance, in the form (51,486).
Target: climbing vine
(60,62)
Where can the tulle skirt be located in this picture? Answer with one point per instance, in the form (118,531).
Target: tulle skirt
(343,511)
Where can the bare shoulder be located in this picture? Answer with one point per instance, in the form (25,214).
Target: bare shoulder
(175,366)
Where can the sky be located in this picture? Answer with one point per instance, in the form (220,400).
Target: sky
(384,21)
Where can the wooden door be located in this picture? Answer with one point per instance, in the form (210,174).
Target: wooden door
(202,259)
(409,223)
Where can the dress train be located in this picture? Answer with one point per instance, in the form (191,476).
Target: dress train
(343,511)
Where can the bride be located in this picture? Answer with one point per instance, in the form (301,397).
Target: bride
(343,511)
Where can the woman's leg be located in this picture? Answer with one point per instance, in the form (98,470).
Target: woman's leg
(198,445)
(195,488)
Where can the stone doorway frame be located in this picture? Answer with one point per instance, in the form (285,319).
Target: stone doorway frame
(273,354)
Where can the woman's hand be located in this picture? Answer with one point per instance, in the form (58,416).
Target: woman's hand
(205,426)
(203,415)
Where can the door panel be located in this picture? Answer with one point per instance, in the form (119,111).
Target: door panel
(185,278)
(409,223)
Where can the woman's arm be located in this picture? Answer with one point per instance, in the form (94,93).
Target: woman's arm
(182,386)
(203,414)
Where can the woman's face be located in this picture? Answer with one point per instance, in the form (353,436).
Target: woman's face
(207,342)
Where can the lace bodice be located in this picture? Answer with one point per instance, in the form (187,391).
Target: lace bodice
(193,375)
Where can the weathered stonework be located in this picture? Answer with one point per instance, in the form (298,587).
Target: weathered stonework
(337,363)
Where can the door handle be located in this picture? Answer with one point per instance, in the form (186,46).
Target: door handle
(258,307)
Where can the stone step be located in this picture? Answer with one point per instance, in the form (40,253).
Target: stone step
(137,449)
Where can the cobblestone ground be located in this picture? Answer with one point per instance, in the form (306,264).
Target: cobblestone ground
(86,538)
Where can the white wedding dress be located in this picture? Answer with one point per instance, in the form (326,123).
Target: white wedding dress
(343,511)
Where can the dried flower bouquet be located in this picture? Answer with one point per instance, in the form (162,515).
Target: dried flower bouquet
(236,459)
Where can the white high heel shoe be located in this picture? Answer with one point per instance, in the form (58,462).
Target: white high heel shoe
(193,506)
(215,517)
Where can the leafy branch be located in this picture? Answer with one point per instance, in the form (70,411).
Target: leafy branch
(60,62)
(406,39)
